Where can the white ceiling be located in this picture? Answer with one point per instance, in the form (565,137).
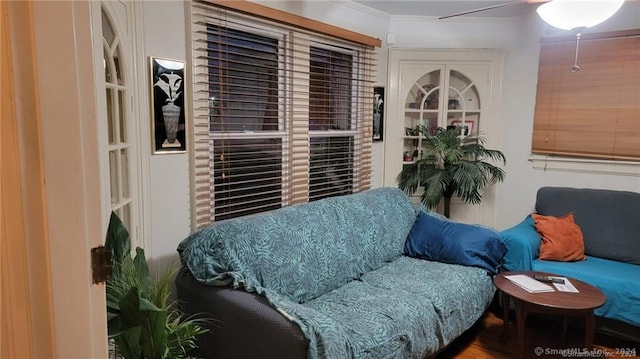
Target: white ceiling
(443,8)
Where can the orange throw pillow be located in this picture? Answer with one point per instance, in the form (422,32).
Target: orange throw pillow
(561,238)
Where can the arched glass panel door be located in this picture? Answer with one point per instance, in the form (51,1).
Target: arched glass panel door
(117,118)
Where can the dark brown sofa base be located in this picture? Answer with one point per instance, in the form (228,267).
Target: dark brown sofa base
(606,326)
(618,329)
(241,324)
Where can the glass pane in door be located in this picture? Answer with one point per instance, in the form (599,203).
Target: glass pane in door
(424,94)
(463,103)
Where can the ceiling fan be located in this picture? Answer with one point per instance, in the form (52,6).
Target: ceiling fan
(591,6)
(574,15)
(491,7)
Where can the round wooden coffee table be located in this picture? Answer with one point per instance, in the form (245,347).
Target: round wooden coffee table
(566,304)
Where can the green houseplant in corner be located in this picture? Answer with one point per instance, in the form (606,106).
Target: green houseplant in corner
(450,165)
(141,319)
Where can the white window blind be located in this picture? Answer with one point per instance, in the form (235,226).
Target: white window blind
(282,115)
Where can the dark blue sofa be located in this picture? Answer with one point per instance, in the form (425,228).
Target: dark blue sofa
(610,223)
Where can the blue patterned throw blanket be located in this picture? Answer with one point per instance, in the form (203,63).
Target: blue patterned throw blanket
(335,267)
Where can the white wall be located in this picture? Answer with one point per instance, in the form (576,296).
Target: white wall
(516,196)
(519,38)
(164,35)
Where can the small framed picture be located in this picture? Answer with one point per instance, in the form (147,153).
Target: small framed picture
(468,126)
(167,106)
(378,113)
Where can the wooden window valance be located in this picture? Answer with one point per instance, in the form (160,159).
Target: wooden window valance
(284,17)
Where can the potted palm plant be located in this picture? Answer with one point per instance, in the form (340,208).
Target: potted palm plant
(451,165)
(142,321)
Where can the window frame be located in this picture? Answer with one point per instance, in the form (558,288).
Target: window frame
(296,143)
(353,126)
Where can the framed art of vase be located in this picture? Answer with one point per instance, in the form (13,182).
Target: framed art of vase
(167,106)
(378,113)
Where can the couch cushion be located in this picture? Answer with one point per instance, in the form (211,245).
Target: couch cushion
(618,281)
(561,238)
(303,251)
(408,307)
(605,217)
(523,245)
(446,241)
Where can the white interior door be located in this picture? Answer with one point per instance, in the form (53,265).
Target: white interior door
(67,132)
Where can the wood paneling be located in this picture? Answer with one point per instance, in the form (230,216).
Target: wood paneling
(25,261)
(15,317)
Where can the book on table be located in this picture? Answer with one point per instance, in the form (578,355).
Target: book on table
(567,286)
(529,284)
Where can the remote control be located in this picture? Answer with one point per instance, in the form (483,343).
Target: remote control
(547,279)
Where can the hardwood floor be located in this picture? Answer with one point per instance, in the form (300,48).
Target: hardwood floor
(543,335)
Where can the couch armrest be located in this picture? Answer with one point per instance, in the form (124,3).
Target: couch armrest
(241,324)
(523,245)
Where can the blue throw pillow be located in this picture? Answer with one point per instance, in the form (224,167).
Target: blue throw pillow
(446,241)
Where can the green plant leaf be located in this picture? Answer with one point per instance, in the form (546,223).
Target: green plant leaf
(140,319)
(140,312)
(451,164)
(118,241)
(128,343)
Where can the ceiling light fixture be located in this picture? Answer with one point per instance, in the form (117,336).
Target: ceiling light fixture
(577,15)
